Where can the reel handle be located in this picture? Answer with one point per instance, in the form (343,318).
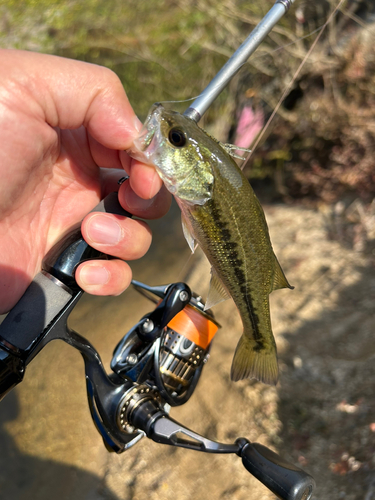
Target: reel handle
(284,479)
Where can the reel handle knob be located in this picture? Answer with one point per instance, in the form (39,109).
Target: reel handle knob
(284,479)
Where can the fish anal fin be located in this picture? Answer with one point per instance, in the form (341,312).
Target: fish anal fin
(279,278)
(257,360)
(217,292)
(188,236)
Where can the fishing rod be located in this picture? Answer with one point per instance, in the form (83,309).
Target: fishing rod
(237,60)
(159,361)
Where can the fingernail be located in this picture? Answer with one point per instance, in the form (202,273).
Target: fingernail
(137,124)
(94,275)
(134,202)
(104,230)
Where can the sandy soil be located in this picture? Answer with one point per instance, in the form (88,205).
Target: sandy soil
(320,415)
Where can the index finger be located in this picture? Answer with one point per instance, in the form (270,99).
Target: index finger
(143,178)
(68,94)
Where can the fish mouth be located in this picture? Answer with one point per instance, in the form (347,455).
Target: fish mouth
(144,145)
(139,149)
(144,140)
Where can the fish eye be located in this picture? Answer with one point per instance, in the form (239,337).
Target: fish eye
(177,137)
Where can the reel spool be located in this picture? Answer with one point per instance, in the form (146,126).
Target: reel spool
(169,347)
(182,352)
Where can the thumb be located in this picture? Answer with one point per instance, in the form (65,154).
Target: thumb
(68,94)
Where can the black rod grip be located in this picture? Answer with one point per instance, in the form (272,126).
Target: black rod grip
(44,298)
(24,326)
(284,479)
(47,295)
(35,310)
(12,369)
(63,259)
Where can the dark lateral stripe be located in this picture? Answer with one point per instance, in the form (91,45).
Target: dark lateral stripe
(231,251)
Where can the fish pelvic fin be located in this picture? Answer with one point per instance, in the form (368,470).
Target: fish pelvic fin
(254,359)
(188,236)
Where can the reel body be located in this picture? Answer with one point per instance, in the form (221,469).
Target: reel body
(169,347)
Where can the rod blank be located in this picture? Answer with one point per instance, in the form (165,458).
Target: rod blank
(232,66)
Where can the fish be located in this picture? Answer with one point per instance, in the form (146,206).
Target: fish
(221,213)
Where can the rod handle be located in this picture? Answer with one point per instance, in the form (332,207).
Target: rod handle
(47,295)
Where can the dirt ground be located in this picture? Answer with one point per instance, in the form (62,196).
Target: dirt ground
(320,416)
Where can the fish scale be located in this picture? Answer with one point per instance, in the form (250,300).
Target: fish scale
(223,255)
(222,214)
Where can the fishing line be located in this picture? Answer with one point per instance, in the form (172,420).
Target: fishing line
(184,100)
(322,28)
(294,41)
(281,47)
(259,56)
(184,271)
(291,83)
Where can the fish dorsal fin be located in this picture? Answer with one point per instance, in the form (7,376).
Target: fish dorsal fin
(279,278)
(188,236)
(232,148)
(217,292)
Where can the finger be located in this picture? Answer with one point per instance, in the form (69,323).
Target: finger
(68,94)
(116,235)
(153,208)
(144,179)
(125,160)
(109,180)
(103,277)
(103,156)
(109,158)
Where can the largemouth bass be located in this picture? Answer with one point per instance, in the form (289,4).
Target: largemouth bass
(222,214)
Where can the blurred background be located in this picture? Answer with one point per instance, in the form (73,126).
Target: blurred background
(313,170)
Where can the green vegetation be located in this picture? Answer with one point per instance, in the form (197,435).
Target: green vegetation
(161,50)
(320,144)
(157,48)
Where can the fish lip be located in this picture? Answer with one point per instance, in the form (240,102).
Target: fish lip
(142,149)
(138,150)
(145,138)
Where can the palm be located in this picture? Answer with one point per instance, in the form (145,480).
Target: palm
(63,124)
(63,187)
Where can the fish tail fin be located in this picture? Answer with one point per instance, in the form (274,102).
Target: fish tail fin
(254,359)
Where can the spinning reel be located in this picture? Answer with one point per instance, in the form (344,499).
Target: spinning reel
(158,363)
(155,366)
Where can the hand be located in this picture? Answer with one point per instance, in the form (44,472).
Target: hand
(64,129)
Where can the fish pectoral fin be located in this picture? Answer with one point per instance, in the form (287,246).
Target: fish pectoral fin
(279,278)
(217,292)
(232,148)
(188,236)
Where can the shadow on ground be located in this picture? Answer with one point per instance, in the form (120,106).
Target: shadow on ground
(327,391)
(320,415)
(23,476)
(327,357)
